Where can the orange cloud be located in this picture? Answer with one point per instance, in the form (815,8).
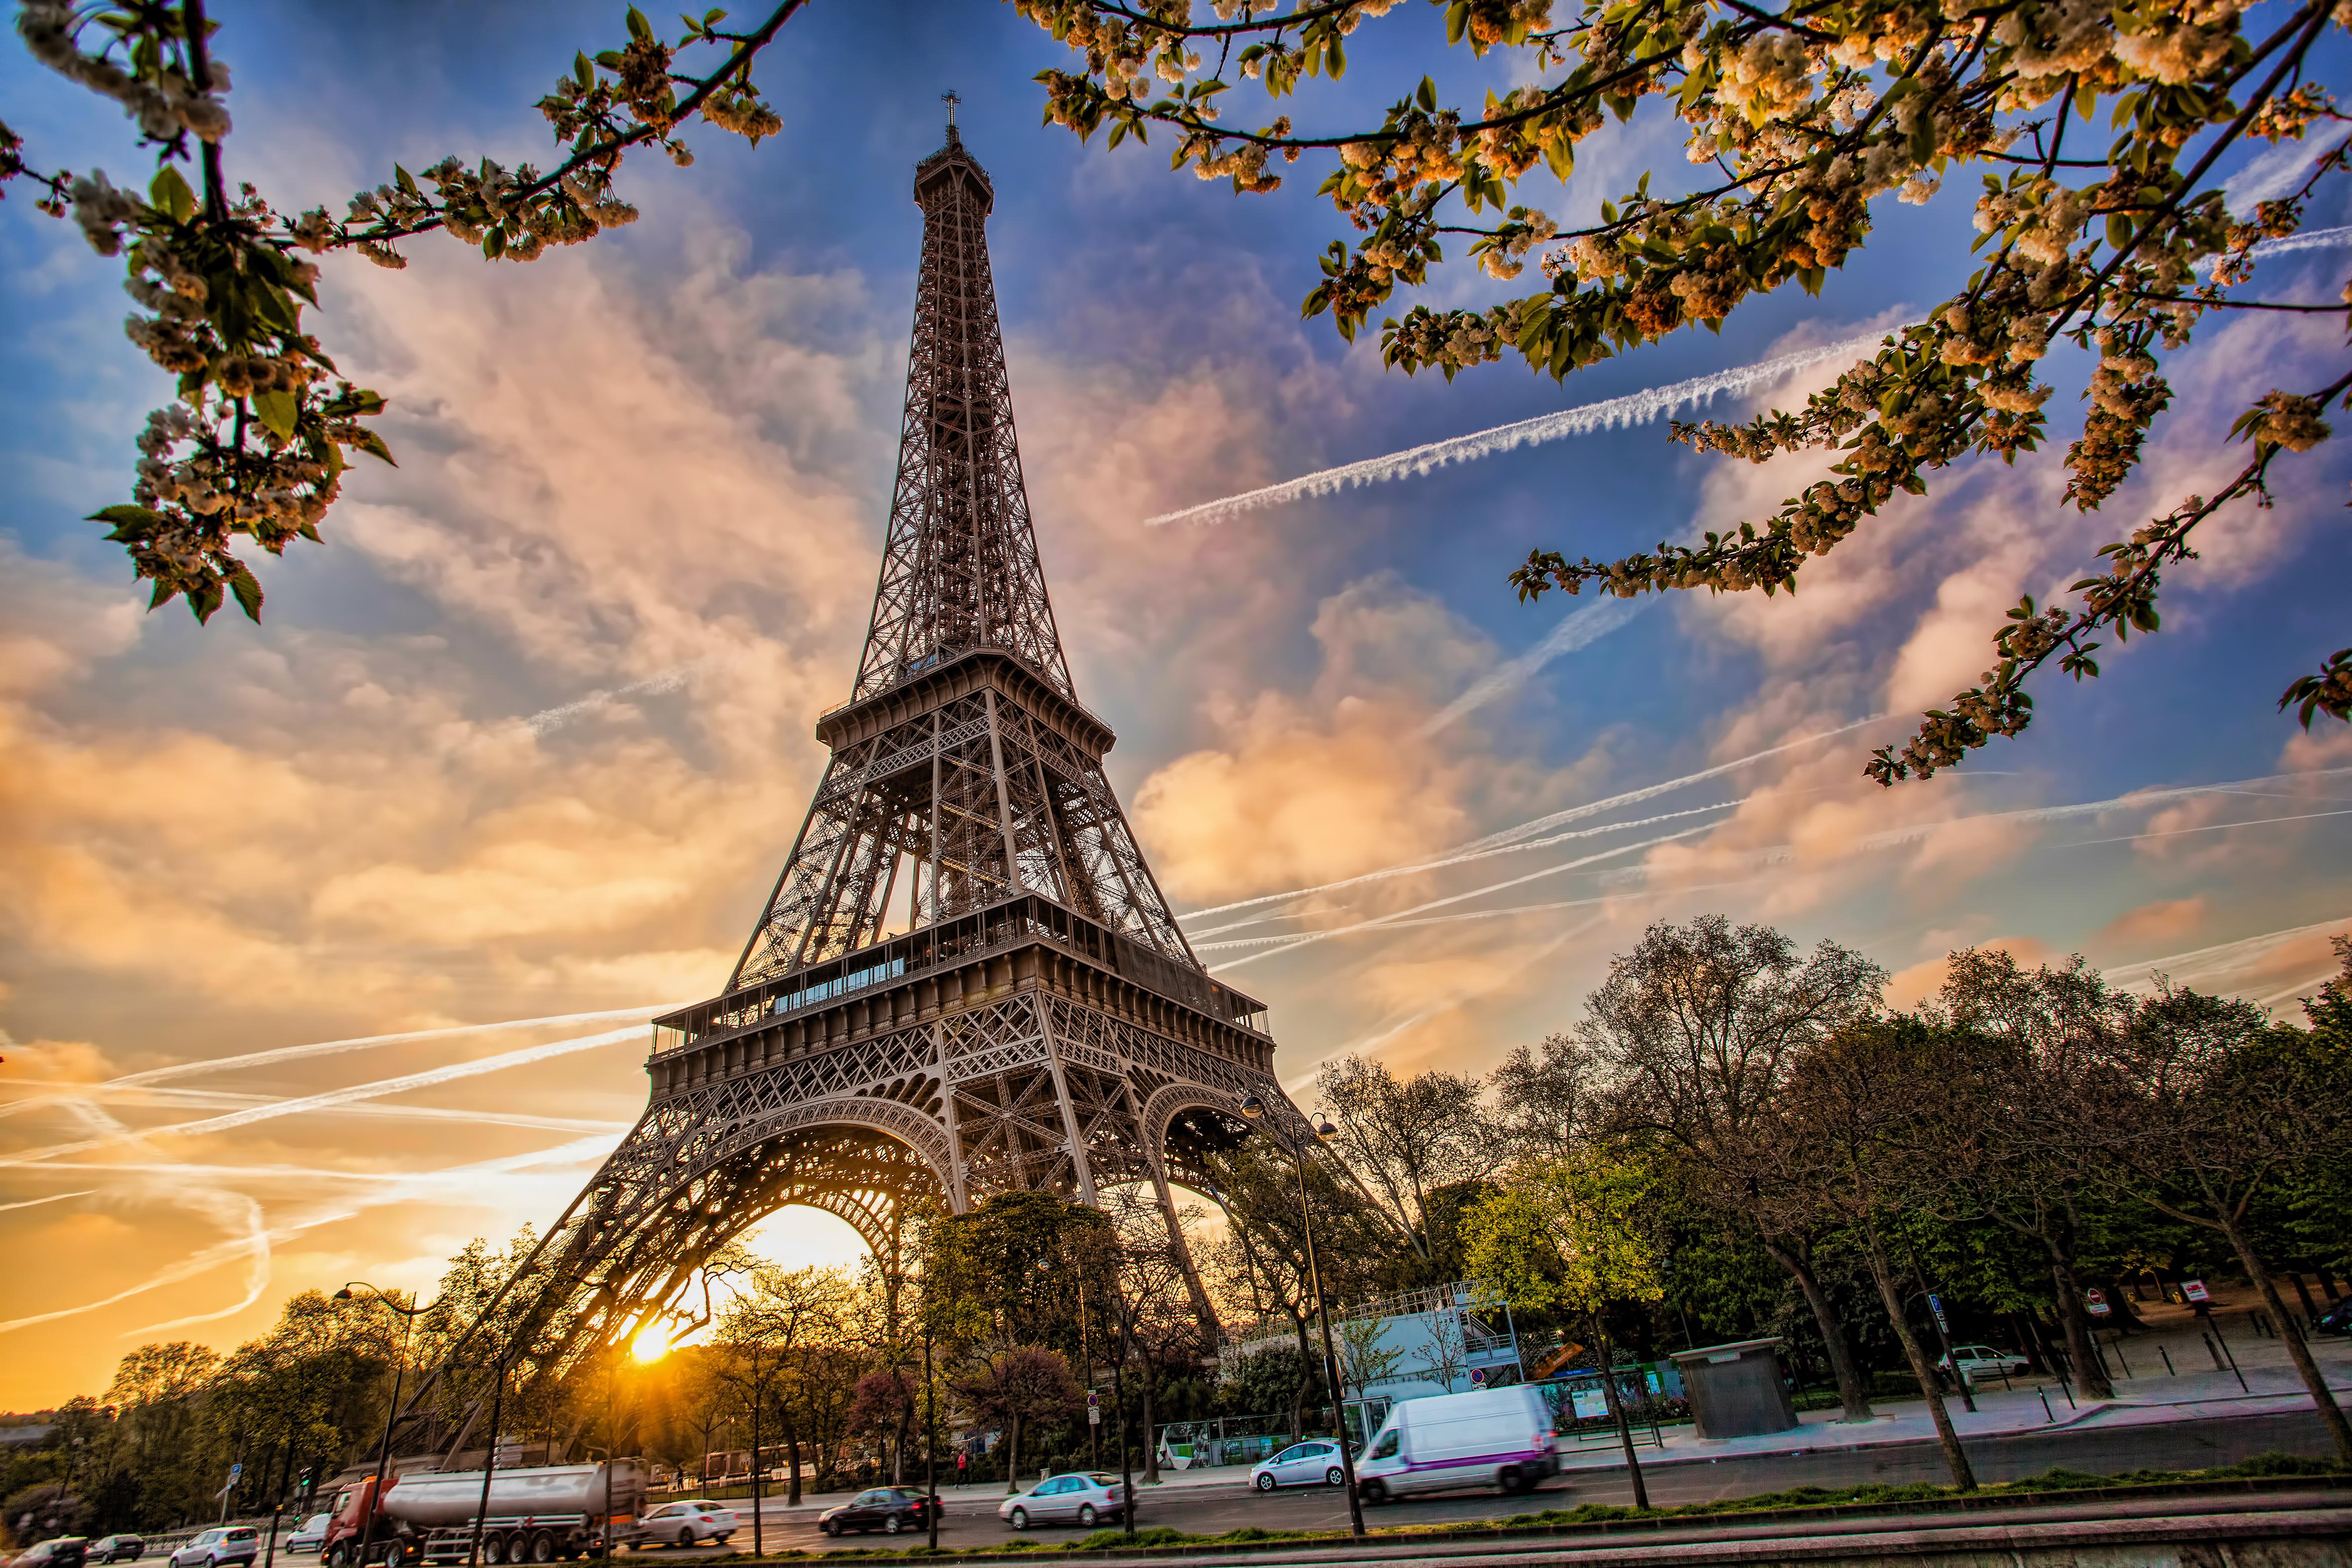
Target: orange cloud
(2164,922)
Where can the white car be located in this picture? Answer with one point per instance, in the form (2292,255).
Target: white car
(1082,1497)
(686,1524)
(1314,1463)
(1975,1361)
(218,1547)
(310,1538)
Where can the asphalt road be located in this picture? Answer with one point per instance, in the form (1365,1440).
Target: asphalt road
(2171,1446)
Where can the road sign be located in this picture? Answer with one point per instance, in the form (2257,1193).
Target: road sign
(1094,1409)
(2094,1300)
(233,1471)
(2195,1290)
(1477,1377)
(1935,1305)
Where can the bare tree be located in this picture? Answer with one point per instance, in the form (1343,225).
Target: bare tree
(2205,1105)
(1405,1139)
(1547,1096)
(2005,1136)
(1851,1104)
(1696,1028)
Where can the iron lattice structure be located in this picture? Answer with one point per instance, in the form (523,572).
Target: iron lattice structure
(1040,1024)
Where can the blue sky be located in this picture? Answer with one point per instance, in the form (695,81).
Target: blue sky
(662,461)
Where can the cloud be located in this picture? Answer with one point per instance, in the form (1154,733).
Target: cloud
(2165,921)
(1309,790)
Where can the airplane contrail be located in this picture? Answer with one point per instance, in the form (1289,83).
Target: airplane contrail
(2223,955)
(297,1105)
(53,1197)
(1383,920)
(1464,857)
(668,680)
(1576,629)
(1633,408)
(216,1099)
(1781,855)
(581,1151)
(1545,824)
(1505,913)
(336,1048)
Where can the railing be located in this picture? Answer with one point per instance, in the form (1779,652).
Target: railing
(1014,923)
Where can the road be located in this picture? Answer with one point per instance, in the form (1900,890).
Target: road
(1208,1511)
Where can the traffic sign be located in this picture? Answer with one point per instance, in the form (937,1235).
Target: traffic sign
(235,1470)
(1935,1305)
(2195,1290)
(1477,1377)
(1094,1409)
(2094,1300)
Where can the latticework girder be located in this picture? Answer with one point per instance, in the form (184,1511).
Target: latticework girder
(1040,1023)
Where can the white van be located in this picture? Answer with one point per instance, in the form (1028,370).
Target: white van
(1501,1437)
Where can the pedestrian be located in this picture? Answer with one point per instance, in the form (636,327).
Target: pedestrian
(964,1464)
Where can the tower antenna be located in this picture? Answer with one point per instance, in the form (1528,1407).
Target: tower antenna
(950,99)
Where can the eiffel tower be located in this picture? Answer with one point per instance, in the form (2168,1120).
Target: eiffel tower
(1040,1023)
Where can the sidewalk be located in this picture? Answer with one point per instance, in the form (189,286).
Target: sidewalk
(2272,1387)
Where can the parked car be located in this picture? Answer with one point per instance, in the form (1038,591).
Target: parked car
(58,1552)
(1082,1497)
(1975,1361)
(123,1548)
(687,1523)
(887,1509)
(310,1537)
(2336,1320)
(218,1547)
(1501,1437)
(1314,1463)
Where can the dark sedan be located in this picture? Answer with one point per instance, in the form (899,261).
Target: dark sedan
(117,1549)
(2336,1320)
(59,1551)
(887,1508)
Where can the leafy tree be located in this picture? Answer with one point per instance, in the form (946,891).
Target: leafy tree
(1797,122)
(1569,1232)
(36,1513)
(1697,1028)
(883,1408)
(777,1349)
(1016,1386)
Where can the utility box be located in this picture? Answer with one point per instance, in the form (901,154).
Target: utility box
(1736,1390)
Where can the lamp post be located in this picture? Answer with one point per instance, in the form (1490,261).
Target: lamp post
(1254,1108)
(408,1316)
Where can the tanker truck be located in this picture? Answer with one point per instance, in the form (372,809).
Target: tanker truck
(551,1513)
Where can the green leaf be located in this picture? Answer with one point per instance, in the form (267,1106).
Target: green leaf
(583,71)
(369,442)
(125,517)
(1427,95)
(407,181)
(242,583)
(277,411)
(638,26)
(494,245)
(170,193)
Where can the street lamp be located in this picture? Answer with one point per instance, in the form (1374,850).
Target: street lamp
(1254,1110)
(408,1316)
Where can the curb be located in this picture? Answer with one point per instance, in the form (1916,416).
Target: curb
(1442,1540)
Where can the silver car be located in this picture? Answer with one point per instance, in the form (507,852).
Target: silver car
(218,1547)
(1082,1497)
(1314,1463)
(311,1538)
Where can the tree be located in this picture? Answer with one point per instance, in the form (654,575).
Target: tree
(255,443)
(36,1513)
(2203,1106)
(1850,1109)
(2008,1099)
(882,1406)
(1405,1139)
(1801,120)
(769,1350)
(1567,1232)
(1696,1028)
(1546,1095)
(1016,1385)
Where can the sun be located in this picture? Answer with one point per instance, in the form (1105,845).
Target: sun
(651,1344)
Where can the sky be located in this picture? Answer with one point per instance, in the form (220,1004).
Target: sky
(528,737)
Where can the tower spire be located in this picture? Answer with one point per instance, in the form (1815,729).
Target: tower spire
(963,763)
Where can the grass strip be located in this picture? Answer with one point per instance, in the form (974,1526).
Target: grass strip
(2050,1484)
